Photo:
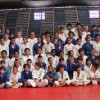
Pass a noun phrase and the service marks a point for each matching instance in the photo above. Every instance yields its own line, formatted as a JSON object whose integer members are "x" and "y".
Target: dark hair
{"x": 80, "y": 50}
{"x": 15, "y": 67}
{"x": 61, "y": 59}
{"x": 39, "y": 48}
{"x": 78, "y": 66}
{"x": 4, "y": 51}
{"x": 2, "y": 68}
{"x": 39, "y": 56}
{"x": 29, "y": 60}
{"x": 95, "y": 66}
{"x": 80, "y": 58}
{"x": 94, "y": 26}
{"x": 49, "y": 58}
{"x": 78, "y": 39}
{"x": 70, "y": 52}
{"x": 88, "y": 59}
{"x": 2, "y": 61}
{"x": 70, "y": 33}
{"x": 38, "y": 64}
{"x": 26, "y": 49}
{"x": 47, "y": 32}
{"x": 77, "y": 24}
{"x": 61, "y": 66}
{"x": 16, "y": 51}
{"x": 69, "y": 24}
{"x": 25, "y": 65}
{"x": 61, "y": 28}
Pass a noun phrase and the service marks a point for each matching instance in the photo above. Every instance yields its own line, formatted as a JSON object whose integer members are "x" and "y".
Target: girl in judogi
{"x": 3, "y": 78}
{"x": 88, "y": 67}
{"x": 26, "y": 75}
{"x": 38, "y": 74}
{"x": 52, "y": 77}
{"x": 94, "y": 75}
{"x": 79, "y": 77}
{"x": 63, "y": 78}
{"x": 15, "y": 79}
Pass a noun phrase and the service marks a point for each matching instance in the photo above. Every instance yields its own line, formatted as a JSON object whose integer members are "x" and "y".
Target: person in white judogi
{"x": 6, "y": 37}
{"x": 48, "y": 47}
{"x": 96, "y": 44}
{"x": 79, "y": 77}
{"x": 32, "y": 40}
{"x": 69, "y": 46}
{"x": 38, "y": 75}
{"x": 19, "y": 39}
{"x": 94, "y": 75}
{"x": 15, "y": 79}
{"x": 39, "y": 51}
{"x": 24, "y": 45}
{"x": 27, "y": 56}
{"x": 4, "y": 46}
{"x": 61, "y": 34}
{"x": 63, "y": 78}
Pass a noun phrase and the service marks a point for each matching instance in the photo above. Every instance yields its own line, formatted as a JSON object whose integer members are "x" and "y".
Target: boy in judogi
{"x": 38, "y": 74}
{"x": 94, "y": 75}
{"x": 3, "y": 78}
{"x": 63, "y": 78}
{"x": 26, "y": 75}
{"x": 15, "y": 79}
{"x": 51, "y": 76}
{"x": 79, "y": 77}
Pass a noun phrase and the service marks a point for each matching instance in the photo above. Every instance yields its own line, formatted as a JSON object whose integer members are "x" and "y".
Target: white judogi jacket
{"x": 87, "y": 70}
{"x": 15, "y": 77}
{"x": 32, "y": 41}
{"x": 19, "y": 41}
{"x": 96, "y": 46}
{"x": 24, "y": 59}
{"x": 43, "y": 56}
{"x": 23, "y": 47}
{"x": 4, "y": 47}
{"x": 64, "y": 78}
{"x": 68, "y": 47}
{"x": 39, "y": 74}
{"x": 7, "y": 42}
{"x": 62, "y": 37}
{"x": 80, "y": 78}
{"x": 48, "y": 47}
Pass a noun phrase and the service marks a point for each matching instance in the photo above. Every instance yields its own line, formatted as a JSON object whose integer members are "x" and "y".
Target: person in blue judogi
{"x": 87, "y": 46}
{"x": 40, "y": 60}
{"x": 37, "y": 45}
{"x": 3, "y": 78}
{"x": 26, "y": 75}
{"x": 59, "y": 47}
{"x": 51, "y": 76}
{"x": 70, "y": 67}
{"x": 13, "y": 47}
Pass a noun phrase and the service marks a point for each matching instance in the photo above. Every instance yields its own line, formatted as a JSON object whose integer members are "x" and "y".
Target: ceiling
{"x": 38, "y": 3}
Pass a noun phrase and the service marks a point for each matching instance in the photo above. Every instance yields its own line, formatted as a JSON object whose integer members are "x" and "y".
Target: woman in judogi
{"x": 63, "y": 78}
{"x": 38, "y": 74}
{"x": 94, "y": 75}
{"x": 15, "y": 79}
{"x": 79, "y": 77}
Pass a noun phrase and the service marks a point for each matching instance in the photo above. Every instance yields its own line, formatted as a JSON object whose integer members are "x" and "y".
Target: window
{"x": 39, "y": 15}
{"x": 94, "y": 14}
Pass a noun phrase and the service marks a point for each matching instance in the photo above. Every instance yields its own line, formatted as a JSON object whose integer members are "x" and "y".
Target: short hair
{"x": 61, "y": 28}
{"x": 70, "y": 52}
{"x": 70, "y": 33}
{"x": 25, "y": 65}
{"x": 49, "y": 58}
{"x": 26, "y": 49}
{"x": 80, "y": 58}
{"x": 94, "y": 26}
{"x": 61, "y": 59}
{"x": 61, "y": 66}
{"x": 78, "y": 39}
{"x": 16, "y": 51}
{"x": 38, "y": 64}
{"x": 47, "y": 32}
{"x": 15, "y": 67}
{"x": 95, "y": 66}
{"x": 69, "y": 24}
{"x": 78, "y": 66}
{"x": 69, "y": 59}
{"x": 39, "y": 48}
{"x": 77, "y": 24}
{"x": 81, "y": 50}
{"x": 4, "y": 51}
{"x": 29, "y": 60}
{"x": 56, "y": 32}
{"x": 98, "y": 26}
{"x": 12, "y": 38}
{"x": 40, "y": 57}
{"x": 2, "y": 61}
